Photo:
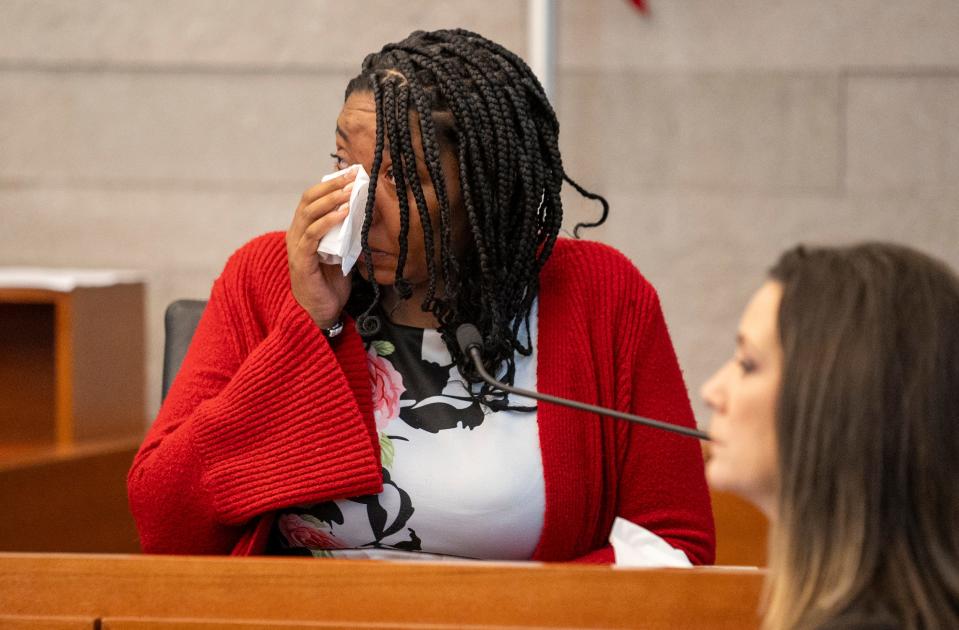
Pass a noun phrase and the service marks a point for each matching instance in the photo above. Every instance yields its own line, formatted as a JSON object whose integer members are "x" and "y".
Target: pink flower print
{"x": 306, "y": 531}
{"x": 387, "y": 389}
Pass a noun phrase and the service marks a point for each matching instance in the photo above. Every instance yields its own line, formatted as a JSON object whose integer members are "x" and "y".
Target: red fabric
{"x": 266, "y": 413}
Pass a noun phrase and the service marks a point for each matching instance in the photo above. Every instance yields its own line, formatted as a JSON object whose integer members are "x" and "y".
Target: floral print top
{"x": 460, "y": 480}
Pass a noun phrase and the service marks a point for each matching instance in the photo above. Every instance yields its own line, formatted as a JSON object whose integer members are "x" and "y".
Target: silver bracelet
{"x": 333, "y": 330}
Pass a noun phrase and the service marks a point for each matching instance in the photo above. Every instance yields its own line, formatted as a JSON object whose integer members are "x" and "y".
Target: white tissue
{"x": 341, "y": 245}
{"x": 636, "y": 546}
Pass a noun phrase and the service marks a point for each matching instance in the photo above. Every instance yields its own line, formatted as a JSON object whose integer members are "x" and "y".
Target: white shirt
{"x": 460, "y": 479}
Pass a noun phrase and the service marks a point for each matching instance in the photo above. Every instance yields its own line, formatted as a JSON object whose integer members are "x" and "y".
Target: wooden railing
{"x": 123, "y": 592}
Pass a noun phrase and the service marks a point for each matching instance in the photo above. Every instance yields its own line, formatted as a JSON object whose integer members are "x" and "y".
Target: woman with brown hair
{"x": 839, "y": 417}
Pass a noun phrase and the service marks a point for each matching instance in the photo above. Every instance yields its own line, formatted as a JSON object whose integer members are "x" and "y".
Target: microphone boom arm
{"x": 474, "y": 353}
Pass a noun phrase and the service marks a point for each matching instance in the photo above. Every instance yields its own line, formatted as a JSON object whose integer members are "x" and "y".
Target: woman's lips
{"x": 378, "y": 254}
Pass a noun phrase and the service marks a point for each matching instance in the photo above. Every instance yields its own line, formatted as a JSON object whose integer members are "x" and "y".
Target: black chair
{"x": 179, "y": 323}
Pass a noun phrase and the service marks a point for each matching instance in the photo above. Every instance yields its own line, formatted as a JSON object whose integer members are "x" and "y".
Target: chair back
{"x": 179, "y": 323}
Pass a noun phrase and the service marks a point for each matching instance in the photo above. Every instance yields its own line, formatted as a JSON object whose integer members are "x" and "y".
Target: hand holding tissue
{"x": 341, "y": 245}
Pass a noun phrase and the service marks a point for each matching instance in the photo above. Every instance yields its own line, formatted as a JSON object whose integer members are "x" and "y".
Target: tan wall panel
{"x": 163, "y": 137}
{"x": 236, "y": 33}
{"x": 736, "y": 131}
{"x": 594, "y": 33}
{"x": 903, "y": 132}
{"x": 772, "y": 34}
{"x": 707, "y": 253}
{"x": 144, "y": 129}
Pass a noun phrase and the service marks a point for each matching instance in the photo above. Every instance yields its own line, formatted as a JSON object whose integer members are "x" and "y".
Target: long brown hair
{"x": 868, "y": 439}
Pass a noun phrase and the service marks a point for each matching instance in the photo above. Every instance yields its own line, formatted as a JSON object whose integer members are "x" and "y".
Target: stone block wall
{"x": 162, "y": 136}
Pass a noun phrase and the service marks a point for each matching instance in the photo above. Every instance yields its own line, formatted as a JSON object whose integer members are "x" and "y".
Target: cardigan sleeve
{"x": 265, "y": 413}
{"x": 663, "y": 483}
{"x": 603, "y": 339}
{"x": 661, "y": 478}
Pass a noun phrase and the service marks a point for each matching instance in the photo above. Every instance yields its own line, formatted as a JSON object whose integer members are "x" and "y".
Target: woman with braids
{"x": 317, "y": 414}
{"x": 838, "y": 415}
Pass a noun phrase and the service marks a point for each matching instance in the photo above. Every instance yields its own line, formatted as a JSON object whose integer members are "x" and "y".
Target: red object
{"x": 641, "y": 5}
{"x": 266, "y": 413}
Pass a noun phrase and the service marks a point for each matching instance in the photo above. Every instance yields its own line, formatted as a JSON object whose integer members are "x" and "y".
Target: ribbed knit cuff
{"x": 287, "y": 429}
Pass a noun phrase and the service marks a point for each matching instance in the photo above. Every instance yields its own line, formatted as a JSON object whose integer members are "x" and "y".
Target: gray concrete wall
{"x": 161, "y": 136}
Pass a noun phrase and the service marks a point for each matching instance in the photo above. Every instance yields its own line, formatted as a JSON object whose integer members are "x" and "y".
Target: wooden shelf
{"x": 71, "y": 365}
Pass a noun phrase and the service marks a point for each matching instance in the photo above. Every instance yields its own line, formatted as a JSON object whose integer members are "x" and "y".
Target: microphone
{"x": 471, "y": 343}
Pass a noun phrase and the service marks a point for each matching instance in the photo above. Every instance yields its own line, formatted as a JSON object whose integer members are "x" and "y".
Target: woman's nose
{"x": 711, "y": 391}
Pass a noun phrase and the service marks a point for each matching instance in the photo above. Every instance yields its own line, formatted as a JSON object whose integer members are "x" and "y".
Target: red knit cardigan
{"x": 266, "y": 413}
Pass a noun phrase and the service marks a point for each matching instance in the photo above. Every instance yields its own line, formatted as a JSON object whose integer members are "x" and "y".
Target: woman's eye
{"x": 338, "y": 163}
{"x": 746, "y": 365}
{"x": 389, "y": 175}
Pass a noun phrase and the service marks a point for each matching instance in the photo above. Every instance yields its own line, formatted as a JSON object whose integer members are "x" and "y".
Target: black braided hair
{"x": 481, "y": 101}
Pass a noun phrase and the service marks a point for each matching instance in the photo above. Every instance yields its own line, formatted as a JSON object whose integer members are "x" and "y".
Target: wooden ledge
{"x": 370, "y": 592}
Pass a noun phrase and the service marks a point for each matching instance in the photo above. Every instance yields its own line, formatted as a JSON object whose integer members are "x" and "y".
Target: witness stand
{"x": 139, "y": 592}
{"x": 71, "y": 391}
